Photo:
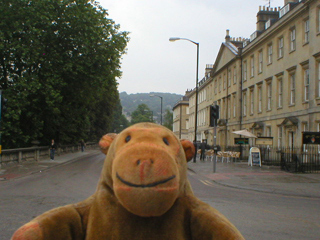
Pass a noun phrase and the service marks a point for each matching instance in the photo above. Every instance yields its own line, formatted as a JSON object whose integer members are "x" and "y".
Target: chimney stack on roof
{"x": 227, "y": 36}
{"x": 290, "y": 1}
{"x": 265, "y": 14}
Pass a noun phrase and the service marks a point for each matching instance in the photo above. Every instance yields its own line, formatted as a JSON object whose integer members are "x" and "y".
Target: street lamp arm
{"x": 177, "y": 38}
{"x": 153, "y": 95}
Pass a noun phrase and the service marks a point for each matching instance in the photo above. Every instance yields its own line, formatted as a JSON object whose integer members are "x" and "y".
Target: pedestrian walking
{"x": 83, "y": 145}
{"x": 203, "y": 150}
{"x": 52, "y": 149}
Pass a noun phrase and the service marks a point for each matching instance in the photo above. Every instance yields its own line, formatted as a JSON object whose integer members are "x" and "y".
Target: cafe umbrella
{"x": 245, "y": 133}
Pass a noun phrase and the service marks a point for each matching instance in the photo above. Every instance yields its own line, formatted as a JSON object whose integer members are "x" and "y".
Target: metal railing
{"x": 21, "y": 155}
{"x": 305, "y": 159}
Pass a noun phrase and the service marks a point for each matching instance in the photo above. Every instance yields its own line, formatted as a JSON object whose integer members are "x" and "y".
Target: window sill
{"x": 292, "y": 105}
{"x": 318, "y": 100}
{"x": 269, "y": 64}
{"x": 260, "y": 112}
{"x": 269, "y": 110}
{"x": 306, "y": 43}
{"x": 291, "y": 51}
{"x": 279, "y": 108}
{"x": 279, "y": 58}
{"x": 305, "y": 102}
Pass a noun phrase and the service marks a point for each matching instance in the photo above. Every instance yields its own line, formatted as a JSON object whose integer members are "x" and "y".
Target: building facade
{"x": 269, "y": 83}
{"x": 181, "y": 118}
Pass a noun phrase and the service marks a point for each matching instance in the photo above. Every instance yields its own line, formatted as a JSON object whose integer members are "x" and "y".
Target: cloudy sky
{"x": 152, "y": 63}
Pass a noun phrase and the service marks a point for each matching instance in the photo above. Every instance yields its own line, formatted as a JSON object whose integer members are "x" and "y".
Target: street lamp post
{"x": 197, "y": 73}
{"x": 153, "y": 95}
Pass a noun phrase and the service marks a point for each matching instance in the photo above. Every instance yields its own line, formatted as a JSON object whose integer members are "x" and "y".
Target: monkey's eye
{"x": 128, "y": 138}
{"x": 165, "y": 140}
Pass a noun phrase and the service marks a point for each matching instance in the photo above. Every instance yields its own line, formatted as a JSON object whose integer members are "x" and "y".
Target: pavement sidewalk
{"x": 12, "y": 171}
{"x": 268, "y": 179}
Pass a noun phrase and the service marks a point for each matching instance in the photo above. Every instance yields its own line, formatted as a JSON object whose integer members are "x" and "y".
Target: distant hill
{"x": 130, "y": 102}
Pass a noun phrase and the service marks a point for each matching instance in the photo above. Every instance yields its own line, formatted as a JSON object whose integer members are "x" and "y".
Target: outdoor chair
{"x": 219, "y": 155}
{"x": 235, "y": 155}
{"x": 198, "y": 154}
{"x": 226, "y": 155}
{"x": 209, "y": 155}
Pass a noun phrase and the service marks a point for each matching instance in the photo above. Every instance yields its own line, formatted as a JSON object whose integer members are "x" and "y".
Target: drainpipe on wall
{"x": 241, "y": 82}
{"x": 241, "y": 86}
{"x": 227, "y": 108}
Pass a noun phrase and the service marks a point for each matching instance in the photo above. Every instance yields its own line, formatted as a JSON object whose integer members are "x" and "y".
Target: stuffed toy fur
{"x": 143, "y": 193}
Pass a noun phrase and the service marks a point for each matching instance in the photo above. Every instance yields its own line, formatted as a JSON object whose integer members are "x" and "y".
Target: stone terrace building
{"x": 268, "y": 84}
{"x": 181, "y": 118}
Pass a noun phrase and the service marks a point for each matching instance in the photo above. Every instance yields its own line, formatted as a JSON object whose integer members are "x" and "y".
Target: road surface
{"x": 257, "y": 215}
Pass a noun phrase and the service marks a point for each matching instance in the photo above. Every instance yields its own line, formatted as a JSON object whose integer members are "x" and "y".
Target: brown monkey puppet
{"x": 143, "y": 193}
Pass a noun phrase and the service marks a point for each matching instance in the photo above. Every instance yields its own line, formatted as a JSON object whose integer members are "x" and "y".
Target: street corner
{"x": 218, "y": 176}
{"x": 5, "y": 177}
{"x": 20, "y": 170}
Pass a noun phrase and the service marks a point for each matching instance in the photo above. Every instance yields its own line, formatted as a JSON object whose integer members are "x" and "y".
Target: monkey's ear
{"x": 189, "y": 148}
{"x": 106, "y": 141}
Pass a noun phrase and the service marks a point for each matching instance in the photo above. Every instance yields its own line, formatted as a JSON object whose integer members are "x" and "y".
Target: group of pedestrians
{"x": 203, "y": 146}
{"x": 53, "y": 148}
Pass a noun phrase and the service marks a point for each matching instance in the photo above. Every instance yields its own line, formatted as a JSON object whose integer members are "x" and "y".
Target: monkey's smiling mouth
{"x": 145, "y": 185}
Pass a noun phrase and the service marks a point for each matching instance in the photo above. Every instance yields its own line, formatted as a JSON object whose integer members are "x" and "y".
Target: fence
{"x": 21, "y": 155}
{"x": 305, "y": 159}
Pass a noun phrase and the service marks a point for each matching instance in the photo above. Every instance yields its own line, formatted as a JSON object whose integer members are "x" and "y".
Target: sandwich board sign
{"x": 254, "y": 157}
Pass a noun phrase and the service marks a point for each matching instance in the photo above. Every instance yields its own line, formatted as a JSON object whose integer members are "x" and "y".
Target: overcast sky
{"x": 152, "y": 63}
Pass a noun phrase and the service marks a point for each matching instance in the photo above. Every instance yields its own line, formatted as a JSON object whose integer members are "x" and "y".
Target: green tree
{"x": 142, "y": 114}
{"x": 168, "y": 119}
{"x": 119, "y": 120}
{"x": 59, "y": 61}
